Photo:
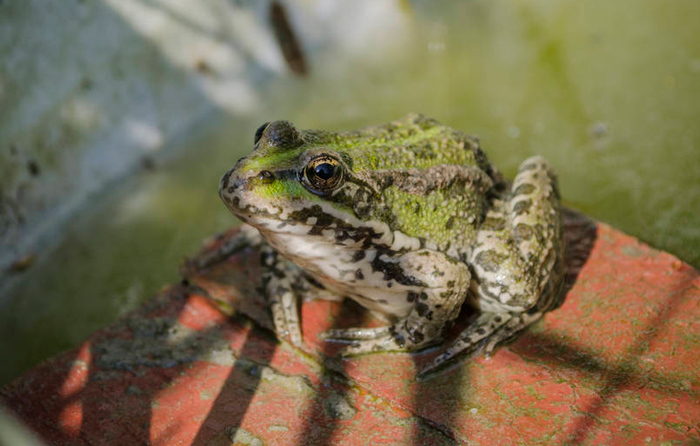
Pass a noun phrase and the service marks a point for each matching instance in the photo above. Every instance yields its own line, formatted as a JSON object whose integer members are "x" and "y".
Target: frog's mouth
{"x": 284, "y": 214}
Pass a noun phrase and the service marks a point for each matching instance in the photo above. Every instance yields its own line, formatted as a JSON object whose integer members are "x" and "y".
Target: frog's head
{"x": 298, "y": 182}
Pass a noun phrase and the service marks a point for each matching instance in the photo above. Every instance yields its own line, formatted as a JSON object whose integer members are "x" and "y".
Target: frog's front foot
{"x": 379, "y": 339}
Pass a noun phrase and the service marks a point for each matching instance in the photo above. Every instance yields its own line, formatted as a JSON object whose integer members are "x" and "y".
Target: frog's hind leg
{"x": 517, "y": 263}
{"x": 247, "y": 237}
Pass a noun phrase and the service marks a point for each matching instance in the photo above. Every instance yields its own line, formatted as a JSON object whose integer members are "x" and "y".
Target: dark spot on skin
{"x": 480, "y": 331}
{"x": 393, "y": 271}
{"x": 497, "y": 319}
{"x": 400, "y": 341}
{"x": 359, "y": 255}
{"x": 315, "y": 230}
{"x": 450, "y": 283}
{"x": 411, "y": 296}
{"x": 324, "y": 220}
{"x": 522, "y": 206}
{"x": 422, "y": 308}
{"x": 528, "y": 166}
{"x": 493, "y": 224}
{"x": 383, "y": 301}
{"x": 313, "y": 282}
{"x": 281, "y": 225}
{"x": 224, "y": 180}
{"x": 438, "y": 306}
{"x": 390, "y": 284}
{"x": 359, "y": 275}
{"x": 523, "y": 232}
{"x": 416, "y": 336}
{"x": 450, "y": 223}
{"x": 423, "y": 296}
{"x": 524, "y": 189}
{"x": 341, "y": 235}
{"x": 490, "y": 260}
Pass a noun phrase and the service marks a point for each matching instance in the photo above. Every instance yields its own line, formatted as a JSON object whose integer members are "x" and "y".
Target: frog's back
{"x": 435, "y": 181}
{"x": 412, "y": 142}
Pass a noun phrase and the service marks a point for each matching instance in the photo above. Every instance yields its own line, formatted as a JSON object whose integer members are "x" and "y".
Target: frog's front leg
{"x": 435, "y": 285}
{"x": 280, "y": 284}
{"x": 517, "y": 262}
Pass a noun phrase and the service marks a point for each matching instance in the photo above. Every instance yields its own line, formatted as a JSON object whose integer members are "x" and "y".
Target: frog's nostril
{"x": 266, "y": 177}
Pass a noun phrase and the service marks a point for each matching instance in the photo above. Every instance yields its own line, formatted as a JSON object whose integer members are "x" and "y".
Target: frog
{"x": 410, "y": 220}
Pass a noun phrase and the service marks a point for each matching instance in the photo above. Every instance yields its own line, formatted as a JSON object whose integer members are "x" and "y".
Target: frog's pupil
{"x": 324, "y": 171}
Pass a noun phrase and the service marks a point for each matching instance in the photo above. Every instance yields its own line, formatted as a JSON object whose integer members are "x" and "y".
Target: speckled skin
{"x": 409, "y": 219}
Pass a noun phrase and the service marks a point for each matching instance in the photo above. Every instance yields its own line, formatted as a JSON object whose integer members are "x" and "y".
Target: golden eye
{"x": 323, "y": 173}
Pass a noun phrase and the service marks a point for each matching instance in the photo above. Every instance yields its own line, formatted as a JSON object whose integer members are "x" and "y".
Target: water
{"x": 609, "y": 92}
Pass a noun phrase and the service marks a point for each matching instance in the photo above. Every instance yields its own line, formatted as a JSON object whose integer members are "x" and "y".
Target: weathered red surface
{"x": 617, "y": 363}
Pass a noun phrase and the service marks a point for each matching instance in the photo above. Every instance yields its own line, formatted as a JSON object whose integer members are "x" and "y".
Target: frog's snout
{"x": 230, "y": 185}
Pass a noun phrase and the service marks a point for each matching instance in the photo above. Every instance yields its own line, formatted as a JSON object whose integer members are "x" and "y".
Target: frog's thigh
{"x": 517, "y": 251}
{"x": 535, "y": 219}
{"x": 279, "y": 276}
{"x": 436, "y": 301}
{"x": 247, "y": 237}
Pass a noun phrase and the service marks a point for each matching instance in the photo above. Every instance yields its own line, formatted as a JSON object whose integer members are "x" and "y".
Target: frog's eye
{"x": 259, "y": 132}
{"x": 323, "y": 173}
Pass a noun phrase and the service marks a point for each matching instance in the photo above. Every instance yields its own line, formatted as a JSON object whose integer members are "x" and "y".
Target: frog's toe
{"x": 354, "y": 334}
{"x": 444, "y": 360}
{"x": 361, "y": 347}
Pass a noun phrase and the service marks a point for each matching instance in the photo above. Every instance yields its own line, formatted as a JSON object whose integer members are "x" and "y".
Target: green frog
{"x": 410, "y": 220}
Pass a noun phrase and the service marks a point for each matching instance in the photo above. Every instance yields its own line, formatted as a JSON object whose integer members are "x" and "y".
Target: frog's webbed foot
{"x": 487, "y": 332}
